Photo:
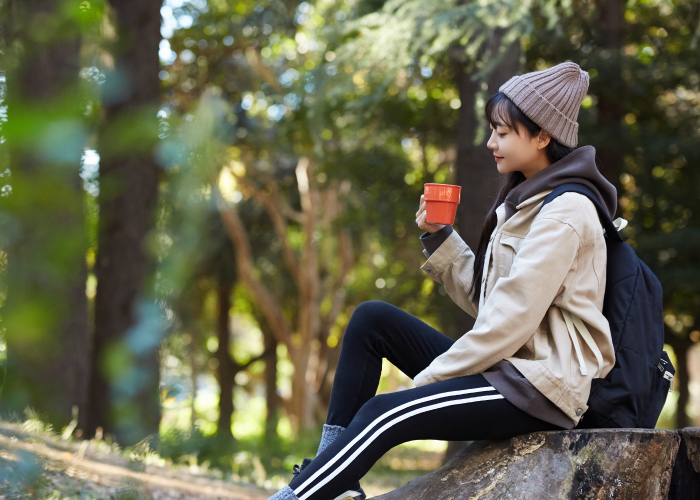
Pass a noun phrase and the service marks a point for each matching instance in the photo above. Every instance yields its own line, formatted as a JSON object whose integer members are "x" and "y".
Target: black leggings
{"x": 459, "y": 409}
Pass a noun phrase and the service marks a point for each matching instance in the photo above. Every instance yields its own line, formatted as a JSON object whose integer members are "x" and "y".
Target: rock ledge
{"x": 637, "y": 464}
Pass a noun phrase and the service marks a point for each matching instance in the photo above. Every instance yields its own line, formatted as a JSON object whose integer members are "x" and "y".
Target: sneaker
{"x": 354, "y": 493}
{"x": 297, "y": 470}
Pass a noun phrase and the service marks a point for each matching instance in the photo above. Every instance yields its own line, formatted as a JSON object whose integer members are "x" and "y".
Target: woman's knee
{"x": 365, "y": 315}
{"x": 371, "y": 312}
{"x": 376, "y": 407}
{"x": 378, "y": 414}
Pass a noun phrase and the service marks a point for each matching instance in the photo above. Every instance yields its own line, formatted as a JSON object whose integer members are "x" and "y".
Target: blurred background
{"x": 195, "y": 195}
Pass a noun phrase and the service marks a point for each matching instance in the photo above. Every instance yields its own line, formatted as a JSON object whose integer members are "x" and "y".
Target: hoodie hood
{"x": 578, "y": 167}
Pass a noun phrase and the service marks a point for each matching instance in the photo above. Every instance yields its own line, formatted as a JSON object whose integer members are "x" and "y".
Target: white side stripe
{"x": 382, "y": 417}
{"x": 385, "y": 427}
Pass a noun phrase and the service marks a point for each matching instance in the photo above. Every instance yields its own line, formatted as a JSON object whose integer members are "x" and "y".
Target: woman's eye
{"x": 501, "y": 135}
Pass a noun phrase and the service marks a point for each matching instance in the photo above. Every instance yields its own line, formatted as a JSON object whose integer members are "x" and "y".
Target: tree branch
{"x": 271, "y": 204}
{"x": 240, "y": 367}
{"x": 309, "y": 284}
{"x": 244, "y": 264}
{"x": 257, "y": 65}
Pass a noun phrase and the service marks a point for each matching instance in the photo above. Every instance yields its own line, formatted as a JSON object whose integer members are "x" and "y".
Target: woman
{"x": 535, "y": 285}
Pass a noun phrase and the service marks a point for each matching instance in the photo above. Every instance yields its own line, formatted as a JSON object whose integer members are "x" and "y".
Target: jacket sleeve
{"x": 516, "y": 305}
{"x": 432, "y": 241}
{"x": 452, "y": 265}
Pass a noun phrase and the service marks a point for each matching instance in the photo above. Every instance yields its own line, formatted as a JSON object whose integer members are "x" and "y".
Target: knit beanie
{"x": 551, "y": 98}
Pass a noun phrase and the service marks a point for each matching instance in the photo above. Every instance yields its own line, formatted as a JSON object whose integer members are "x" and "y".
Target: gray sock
{"x": 285, "y": 493}
{"x": 330, "y": 434}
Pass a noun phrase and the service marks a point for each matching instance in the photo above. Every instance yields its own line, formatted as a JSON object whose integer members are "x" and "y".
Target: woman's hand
{"x": 420, "y": 219}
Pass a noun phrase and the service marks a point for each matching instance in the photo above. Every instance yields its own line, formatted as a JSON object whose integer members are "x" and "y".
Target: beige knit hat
{"x": 551, "y": 98}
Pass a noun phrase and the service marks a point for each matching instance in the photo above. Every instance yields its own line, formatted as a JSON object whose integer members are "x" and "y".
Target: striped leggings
{"x": 459, "y": 409}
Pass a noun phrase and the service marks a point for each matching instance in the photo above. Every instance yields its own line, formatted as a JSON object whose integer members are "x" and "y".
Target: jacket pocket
{"x": 508, "y": 249}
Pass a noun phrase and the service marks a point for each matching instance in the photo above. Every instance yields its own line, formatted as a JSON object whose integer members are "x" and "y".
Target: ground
{"x": 35, "y": 464}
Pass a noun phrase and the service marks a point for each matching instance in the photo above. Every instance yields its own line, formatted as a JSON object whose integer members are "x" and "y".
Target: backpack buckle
{"x": 620, "y": 223}
{"x": 660, "y": 367}
{"x": 669, "y": 376}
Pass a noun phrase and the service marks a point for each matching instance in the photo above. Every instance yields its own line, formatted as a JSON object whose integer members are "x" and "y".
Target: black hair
{"x": 500, "y": 110}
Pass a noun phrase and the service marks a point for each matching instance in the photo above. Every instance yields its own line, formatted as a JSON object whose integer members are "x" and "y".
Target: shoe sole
{"x": 354, "y": 495}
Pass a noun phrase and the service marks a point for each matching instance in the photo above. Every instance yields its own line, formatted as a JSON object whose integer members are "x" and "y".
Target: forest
{"x": 195, "y": 195}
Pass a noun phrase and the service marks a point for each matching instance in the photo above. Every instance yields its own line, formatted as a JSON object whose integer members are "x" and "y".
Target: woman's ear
{"x": 543, "y": 139}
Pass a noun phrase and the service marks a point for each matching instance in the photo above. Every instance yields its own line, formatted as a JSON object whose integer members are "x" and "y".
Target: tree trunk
{"x": 585, "y": 464}
{"x": 271, "y": 397}
{"x": 681, "y": 350}
{"x": 195, "y": 372}
{"x": 324, "y": 392}
{"x": 226, "y": 371}
{"x": 45, "y": 313}
{"x": 476, "y": 171}
{"x": 610, "y": 103}
{"x": 685, "y": 480}
{"x": 124, "y": 386}
{"x": 301, "y": 394}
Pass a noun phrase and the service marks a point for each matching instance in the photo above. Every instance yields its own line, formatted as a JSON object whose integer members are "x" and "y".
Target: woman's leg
{"x": 460, "y": 409}
{"x": 379, "y": 330}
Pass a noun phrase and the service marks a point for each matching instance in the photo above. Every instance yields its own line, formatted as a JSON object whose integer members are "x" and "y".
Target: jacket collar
{"x": 534, "y": 199}
{"x": 513, "y": 223}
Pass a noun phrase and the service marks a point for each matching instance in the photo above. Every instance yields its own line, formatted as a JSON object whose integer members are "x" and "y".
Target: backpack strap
{"x": 573, "y": 322}
{"x": 610, "y": 229}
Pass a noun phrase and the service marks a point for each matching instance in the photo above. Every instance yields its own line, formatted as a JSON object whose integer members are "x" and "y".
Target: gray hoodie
{"x": 577, "y": 167}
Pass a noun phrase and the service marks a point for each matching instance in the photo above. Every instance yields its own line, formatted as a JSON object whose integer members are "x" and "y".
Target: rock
{"x": 685, "y": 481}
{"x": 578, "y": 464}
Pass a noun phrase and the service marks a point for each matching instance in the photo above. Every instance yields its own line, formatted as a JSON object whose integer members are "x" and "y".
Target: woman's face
{"x": 518, "y": 152}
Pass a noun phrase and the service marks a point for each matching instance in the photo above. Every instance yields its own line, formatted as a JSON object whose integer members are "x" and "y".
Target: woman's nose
{"x": 491, "y": 144}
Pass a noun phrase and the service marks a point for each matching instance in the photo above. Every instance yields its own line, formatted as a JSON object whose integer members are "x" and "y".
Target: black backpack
{"x": 635, "y": 390}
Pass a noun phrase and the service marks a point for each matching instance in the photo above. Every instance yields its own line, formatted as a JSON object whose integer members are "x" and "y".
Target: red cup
{"x": 441, "y": 202}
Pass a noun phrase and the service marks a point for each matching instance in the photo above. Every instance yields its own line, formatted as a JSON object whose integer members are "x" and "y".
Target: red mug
{"x": 441, "y": 202}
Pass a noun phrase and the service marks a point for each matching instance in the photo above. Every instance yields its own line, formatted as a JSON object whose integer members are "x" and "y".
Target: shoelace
{"x": 298, "y": 468}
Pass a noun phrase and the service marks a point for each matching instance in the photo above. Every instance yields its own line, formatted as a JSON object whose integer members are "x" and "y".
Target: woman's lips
{"x": 498, "y": 158}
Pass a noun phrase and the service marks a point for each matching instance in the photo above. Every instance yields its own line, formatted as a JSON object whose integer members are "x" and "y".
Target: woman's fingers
{"x": 421, "y": 207}
{"x": 422, "y": 224}
{"x": 421, "y": 216}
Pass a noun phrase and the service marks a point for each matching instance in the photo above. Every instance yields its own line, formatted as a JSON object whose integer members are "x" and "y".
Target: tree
{"x": 45, "y": 314}
{"x": 125, "y": 365}
{"x": 305, "y": 272}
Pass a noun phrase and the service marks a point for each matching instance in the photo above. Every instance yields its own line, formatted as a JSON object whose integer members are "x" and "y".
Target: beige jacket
{"x": 542, "y": 300}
